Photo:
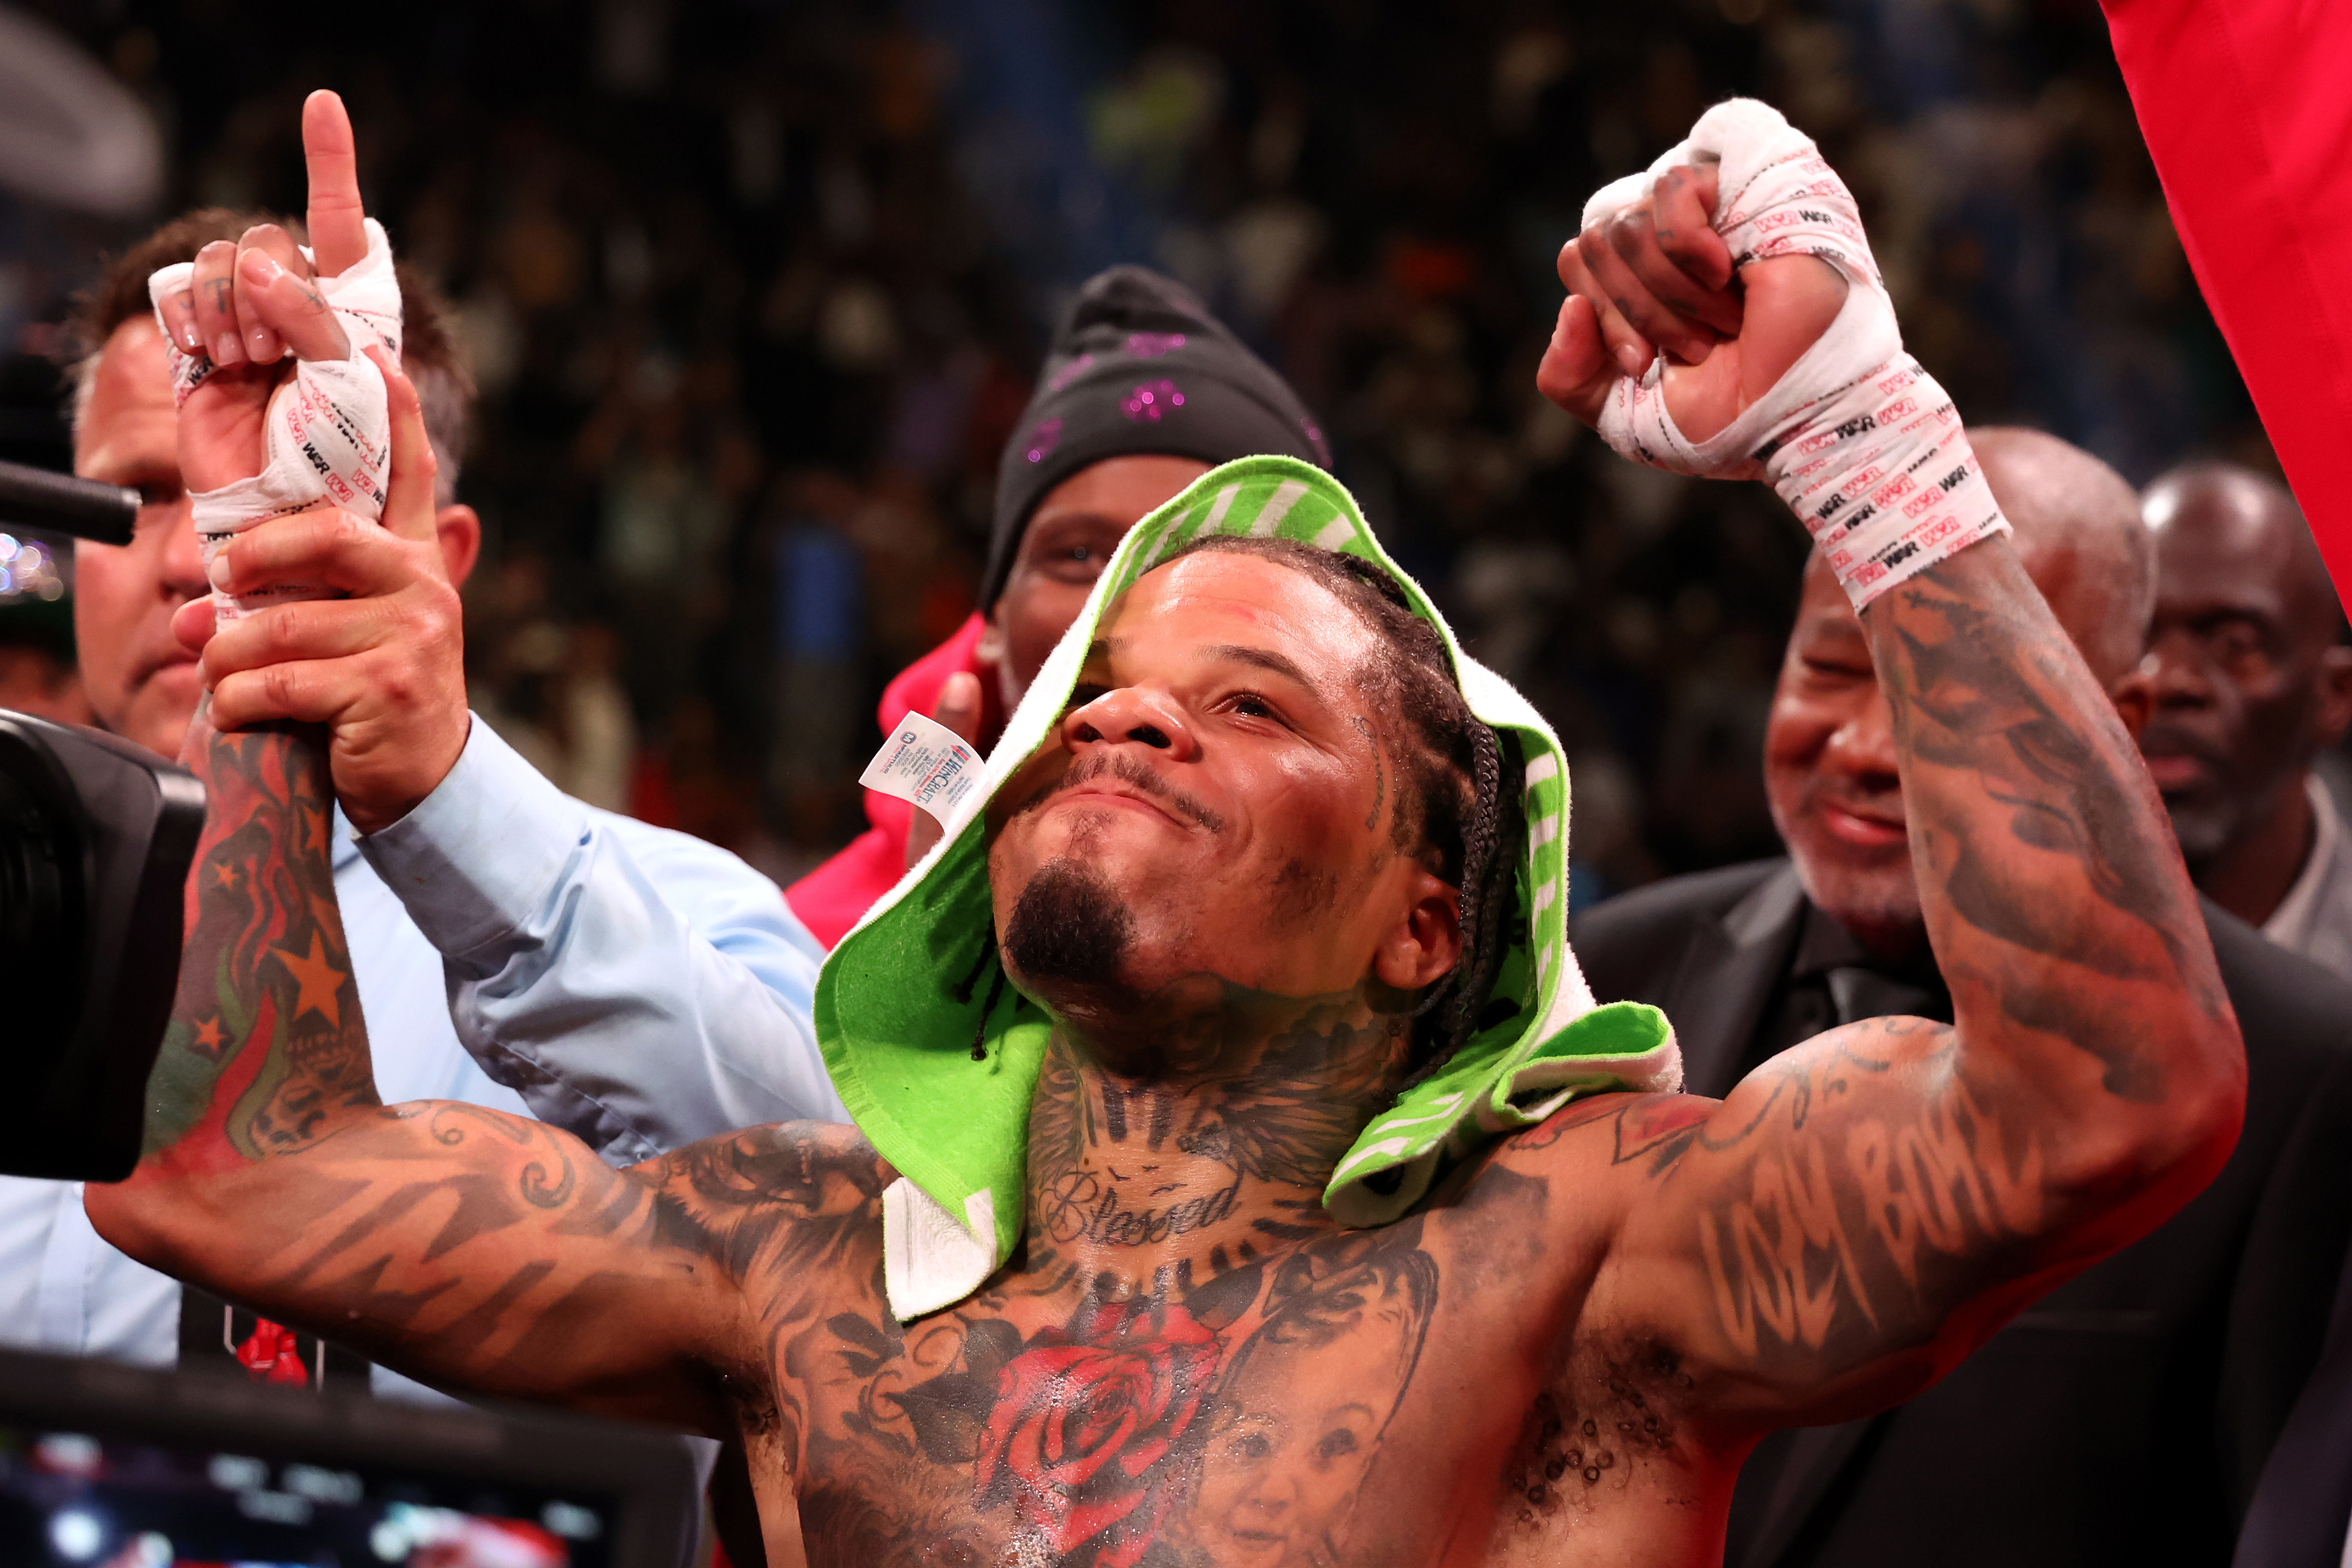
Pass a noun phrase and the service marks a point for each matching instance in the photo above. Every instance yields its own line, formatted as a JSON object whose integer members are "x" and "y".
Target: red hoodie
{"x": 837, "y": 895}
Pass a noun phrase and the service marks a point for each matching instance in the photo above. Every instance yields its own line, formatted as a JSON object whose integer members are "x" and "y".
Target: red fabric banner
{"x": 2247, "y": 108}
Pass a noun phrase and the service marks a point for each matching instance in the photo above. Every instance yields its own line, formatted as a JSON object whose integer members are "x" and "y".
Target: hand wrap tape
{"x": 330, "y": 428}
{"x": 1862, "y": 445}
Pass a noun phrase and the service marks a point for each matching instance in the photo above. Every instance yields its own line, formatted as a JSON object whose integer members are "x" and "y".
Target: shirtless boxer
{"x": 1228, "y": 877}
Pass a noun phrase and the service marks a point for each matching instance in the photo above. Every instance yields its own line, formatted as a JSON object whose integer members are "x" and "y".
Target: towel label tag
{"x": 924, "y": 763}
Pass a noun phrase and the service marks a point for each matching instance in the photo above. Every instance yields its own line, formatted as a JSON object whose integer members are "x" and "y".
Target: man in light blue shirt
{"x": 513, "y": 947}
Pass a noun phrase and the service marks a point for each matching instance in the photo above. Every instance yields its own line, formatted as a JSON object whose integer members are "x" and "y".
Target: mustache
{"x": 2168, "y": 739}
{"x": 1120, "y": 765}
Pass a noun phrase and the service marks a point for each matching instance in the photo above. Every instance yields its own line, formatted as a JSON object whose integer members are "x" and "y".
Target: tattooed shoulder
{"x": 1621, "y": 1129}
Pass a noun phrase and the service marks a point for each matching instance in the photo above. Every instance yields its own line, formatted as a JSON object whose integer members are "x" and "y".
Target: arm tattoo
{"x": 461, "y": 1243}
{"x": 267, "y": 1025}
{"x": 1977, "y": 699}
{"x": 1858, "y": 1218}
{"x": 1866, "y": 1205}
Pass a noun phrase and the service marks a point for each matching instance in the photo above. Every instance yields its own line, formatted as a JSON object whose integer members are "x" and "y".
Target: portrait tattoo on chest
{"x": 1227, "y": 1420}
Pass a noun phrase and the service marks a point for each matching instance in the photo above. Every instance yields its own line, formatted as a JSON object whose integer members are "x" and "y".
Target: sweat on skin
{"x": 1566, "y": 1351}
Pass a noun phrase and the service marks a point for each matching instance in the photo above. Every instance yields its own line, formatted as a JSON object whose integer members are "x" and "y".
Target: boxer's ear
{"x": 1424, "y": 944}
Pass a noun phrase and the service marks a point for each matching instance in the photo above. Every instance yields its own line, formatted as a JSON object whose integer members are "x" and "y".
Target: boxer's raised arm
{"x": 1867, "y": 1207}
{"x": 469, "y": 1247}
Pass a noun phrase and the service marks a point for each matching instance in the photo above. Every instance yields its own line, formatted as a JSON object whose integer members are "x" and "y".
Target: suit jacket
{"x": 2302, "y": 1512}
{"x": 2124, "y": 1419}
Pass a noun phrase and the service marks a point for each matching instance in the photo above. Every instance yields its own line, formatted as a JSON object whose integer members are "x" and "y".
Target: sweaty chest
{"x": 1328, "y": 1404}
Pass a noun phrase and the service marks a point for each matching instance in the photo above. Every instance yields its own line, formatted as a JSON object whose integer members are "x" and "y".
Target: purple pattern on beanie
{"x": 1149, "y": 401}
{"x": 1043, "y": 439}
{"x": 1069, "y": 372}
{"x": 1151, "y": 345}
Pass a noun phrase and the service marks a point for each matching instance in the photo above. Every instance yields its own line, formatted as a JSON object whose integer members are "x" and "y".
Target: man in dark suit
{"x": 2124, "y": 1417}
{"x": 2302, "y": 1513}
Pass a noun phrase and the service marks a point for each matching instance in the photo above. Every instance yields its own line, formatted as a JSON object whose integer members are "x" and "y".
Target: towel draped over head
{"x": 904, "y": 996}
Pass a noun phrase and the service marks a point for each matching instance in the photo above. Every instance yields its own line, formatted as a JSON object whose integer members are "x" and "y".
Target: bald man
{"x": 2124, "y": 1419}
{"x": 2251, "y": 679}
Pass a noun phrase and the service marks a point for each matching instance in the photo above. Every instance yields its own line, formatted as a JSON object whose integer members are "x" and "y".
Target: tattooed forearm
{"x": 457, "y": 1243}
{"x": 2049, "y": 877}
{"x": 267, "y": 1027}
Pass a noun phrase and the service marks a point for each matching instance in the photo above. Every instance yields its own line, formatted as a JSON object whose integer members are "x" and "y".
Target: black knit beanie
{"x": 1138, "y": 366}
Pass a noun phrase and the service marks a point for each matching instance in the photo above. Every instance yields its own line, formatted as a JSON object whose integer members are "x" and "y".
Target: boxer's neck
{"x": 1209, "y": 1159}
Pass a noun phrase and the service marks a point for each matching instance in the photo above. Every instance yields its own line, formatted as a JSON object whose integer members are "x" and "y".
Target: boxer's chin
{"x": 1069, "y": 936}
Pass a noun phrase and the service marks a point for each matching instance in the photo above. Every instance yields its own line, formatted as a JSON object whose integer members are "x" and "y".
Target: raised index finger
{"x": 338, "y": 238}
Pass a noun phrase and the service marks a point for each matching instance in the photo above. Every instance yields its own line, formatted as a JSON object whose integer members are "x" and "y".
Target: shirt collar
{"x": 342, "y": 841}
{"x": 1823, "y": 946}
{"x": 2290, "y": 924}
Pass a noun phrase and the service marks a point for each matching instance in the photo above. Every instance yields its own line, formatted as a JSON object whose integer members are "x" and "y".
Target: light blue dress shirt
{"x": 517, "y": 948}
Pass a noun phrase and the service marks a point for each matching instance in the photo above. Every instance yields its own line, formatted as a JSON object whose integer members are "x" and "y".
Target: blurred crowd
{"x": 754, "y": 294}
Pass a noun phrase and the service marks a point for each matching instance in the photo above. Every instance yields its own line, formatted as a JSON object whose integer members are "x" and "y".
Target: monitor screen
{"x": 75, "y": 1501}
{"x": 113, "y": 1467}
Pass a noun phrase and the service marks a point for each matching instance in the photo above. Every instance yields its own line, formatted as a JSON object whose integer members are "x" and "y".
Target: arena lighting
{"x": 76, "y": 1534}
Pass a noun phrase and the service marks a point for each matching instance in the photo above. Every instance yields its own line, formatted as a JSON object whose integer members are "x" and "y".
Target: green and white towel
{"x": 899, "y": 1002}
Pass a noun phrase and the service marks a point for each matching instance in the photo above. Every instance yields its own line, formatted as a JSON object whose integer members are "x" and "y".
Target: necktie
{"x": 1861, "y": 992}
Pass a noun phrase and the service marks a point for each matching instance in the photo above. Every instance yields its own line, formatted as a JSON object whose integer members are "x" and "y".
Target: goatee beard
{"x": 1068, "y": 928}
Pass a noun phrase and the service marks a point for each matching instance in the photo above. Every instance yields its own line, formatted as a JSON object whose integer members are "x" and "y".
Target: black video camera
{"x": 96, "y": 838}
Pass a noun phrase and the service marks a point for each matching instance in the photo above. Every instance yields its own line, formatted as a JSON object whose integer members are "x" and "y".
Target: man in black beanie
{"x": 1142, "y": 392}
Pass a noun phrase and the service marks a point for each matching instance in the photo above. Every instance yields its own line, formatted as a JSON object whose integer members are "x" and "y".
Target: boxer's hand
{"x": 958, "y": 709}
{"x": 385, "y": 668}
{"x": 250, "y": 304}
{"x": 1657, "y": 275}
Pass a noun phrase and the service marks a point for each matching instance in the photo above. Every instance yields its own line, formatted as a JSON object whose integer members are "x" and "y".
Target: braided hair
{"x": 1460, "y": 782}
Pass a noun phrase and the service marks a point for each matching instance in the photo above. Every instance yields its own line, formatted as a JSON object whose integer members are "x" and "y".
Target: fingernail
{"x": 219, "y": 571}
{"x": 226, "y": 350}
{"x": 261, "y": 344}
{"x": 190, "y": 343}
{"x": 1630, "y": 361}
{"x": 264, "y": 268}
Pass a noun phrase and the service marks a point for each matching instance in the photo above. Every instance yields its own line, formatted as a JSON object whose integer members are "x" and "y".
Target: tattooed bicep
{"x": 1831, "y": 1213}
{"x": 795, "y": 1194}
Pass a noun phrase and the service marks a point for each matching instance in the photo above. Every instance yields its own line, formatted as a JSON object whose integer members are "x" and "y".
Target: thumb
{"x": 959, "y": 706}
{"x": 1576, "y": 371}
{"x": 192, "y": 622}
{"x": 408, "y": 509}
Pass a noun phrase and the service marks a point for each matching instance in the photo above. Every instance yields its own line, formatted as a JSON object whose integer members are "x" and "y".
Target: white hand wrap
{"x": 330, "y": 428}
{"x": 1862, "y": 445}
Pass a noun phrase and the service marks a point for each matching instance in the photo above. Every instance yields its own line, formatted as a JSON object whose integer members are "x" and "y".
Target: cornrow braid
{"x": 1462, "y": 777}
{"x": 1490, "y": 857}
